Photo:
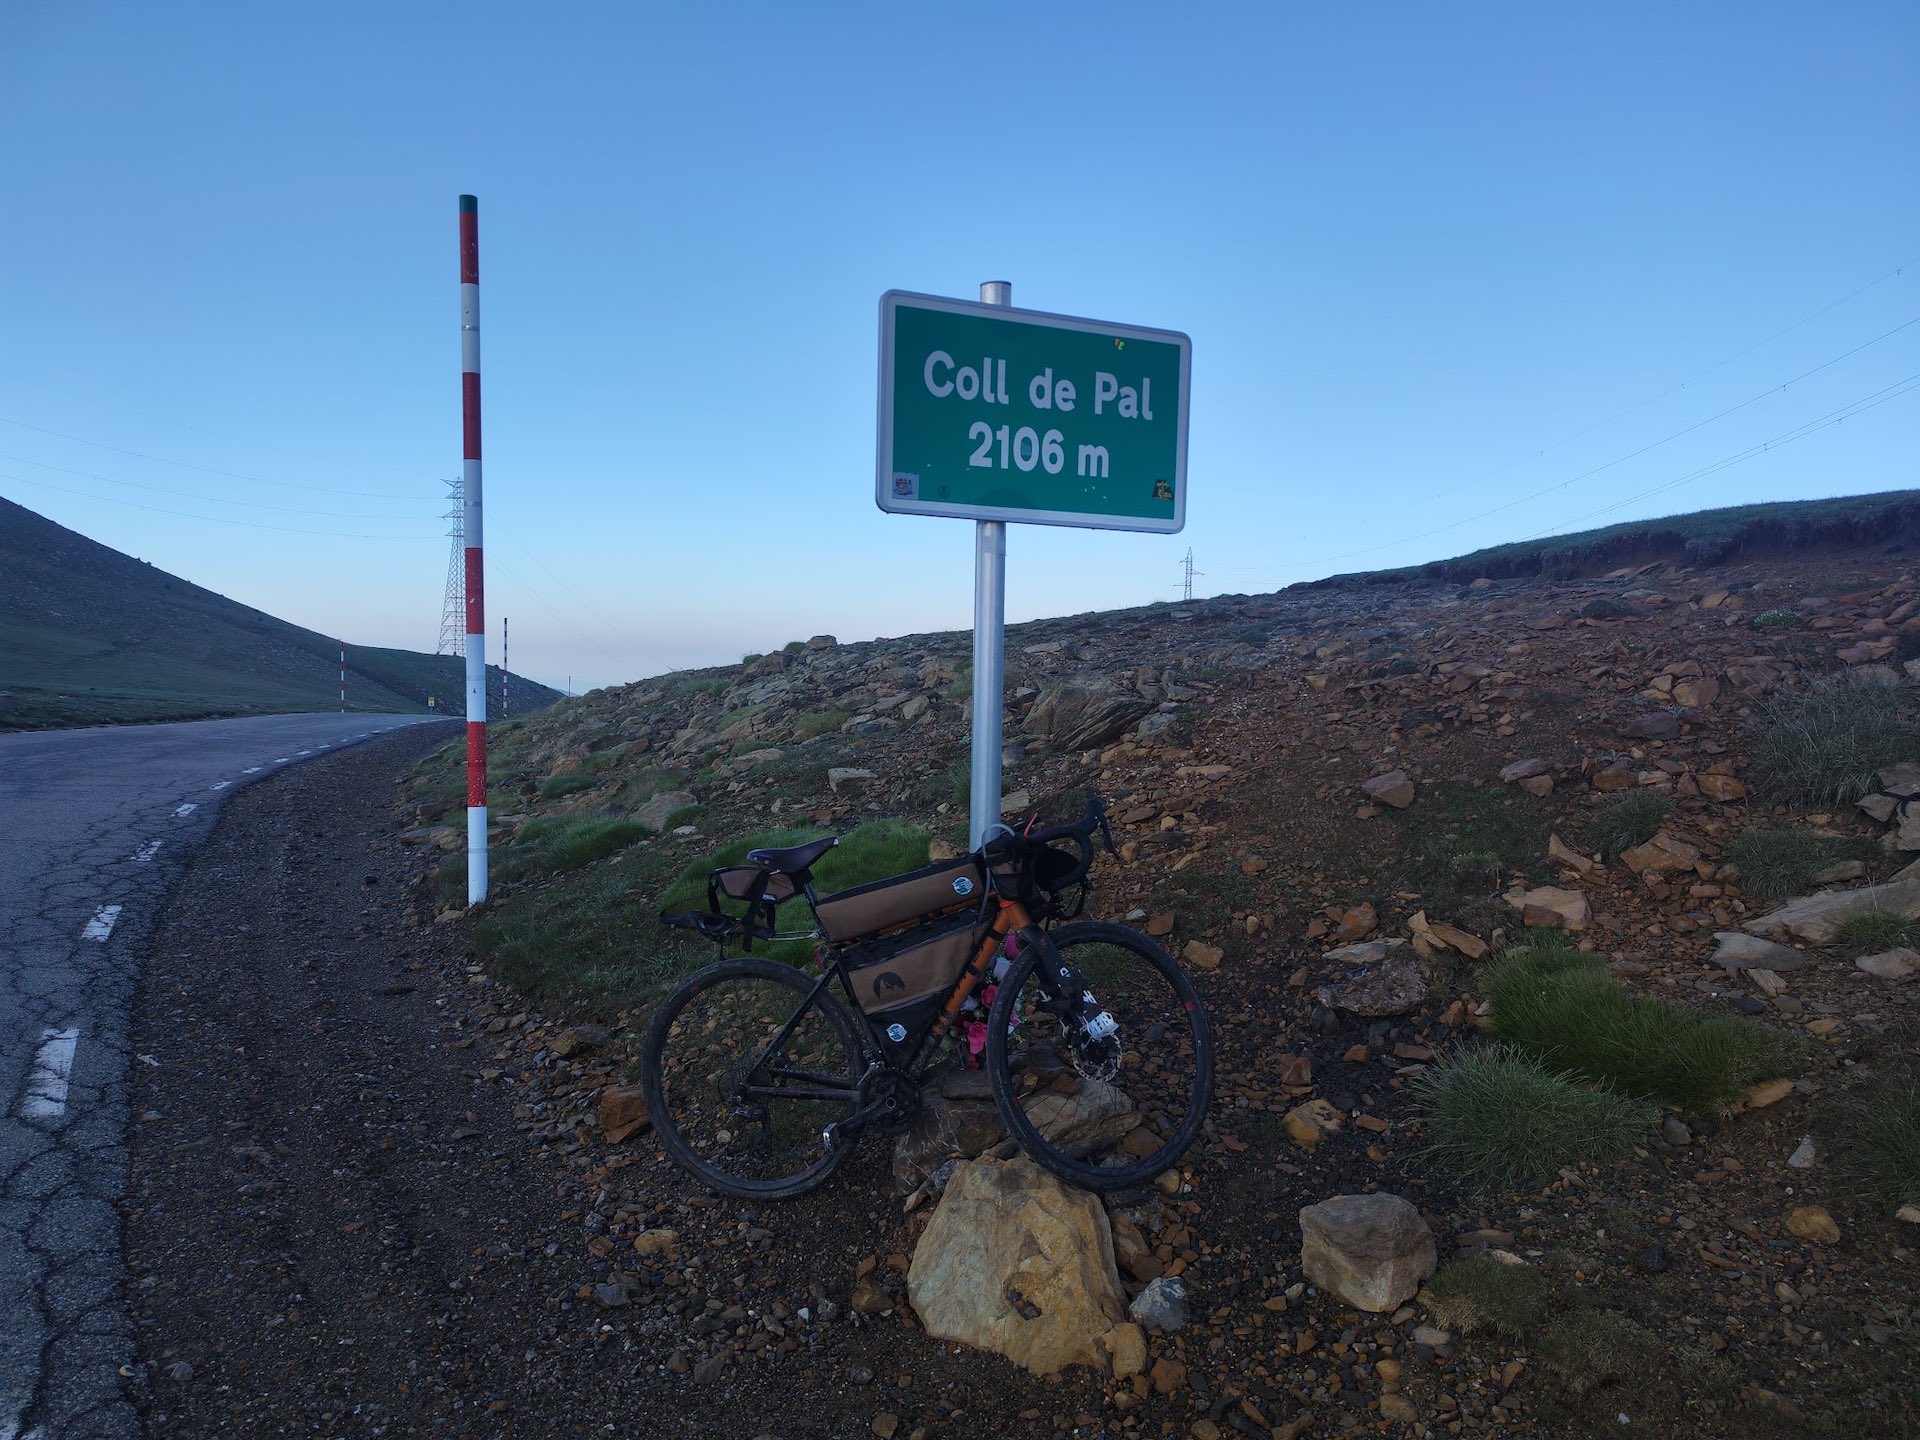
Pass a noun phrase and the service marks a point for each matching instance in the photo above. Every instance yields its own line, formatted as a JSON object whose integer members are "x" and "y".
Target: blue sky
{"x": 1435, "y": 260}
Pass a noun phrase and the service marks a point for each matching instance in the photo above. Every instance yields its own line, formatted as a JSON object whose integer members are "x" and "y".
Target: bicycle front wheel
{"x": 1108, "y": 1112}
{"x": 743, "y": 1073}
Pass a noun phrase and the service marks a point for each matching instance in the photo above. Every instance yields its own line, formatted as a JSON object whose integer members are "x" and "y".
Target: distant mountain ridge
{"x": 91, "y": 636}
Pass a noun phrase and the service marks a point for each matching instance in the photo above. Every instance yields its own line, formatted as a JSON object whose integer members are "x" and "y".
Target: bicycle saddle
{"x": 795, "y": 858}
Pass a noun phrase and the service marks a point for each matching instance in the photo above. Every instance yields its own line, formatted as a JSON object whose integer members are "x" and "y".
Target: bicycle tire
{"x": 1164, "y": 1064}
{"x": 707, "y": 1039}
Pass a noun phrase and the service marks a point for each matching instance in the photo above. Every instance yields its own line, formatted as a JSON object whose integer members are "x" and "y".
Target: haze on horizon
{"x": 1454, "y": 276}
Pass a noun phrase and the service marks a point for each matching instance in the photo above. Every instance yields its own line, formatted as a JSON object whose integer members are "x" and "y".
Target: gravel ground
{"x": 332, "y": 1228}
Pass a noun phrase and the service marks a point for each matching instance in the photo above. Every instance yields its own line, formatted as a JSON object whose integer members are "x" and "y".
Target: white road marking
{"x": 303, "y": 752}
{"x": 281, "y": 759}
{"x": 251, "y": 770}
{"x": 186, "y": 809}
{"x": 147, "y": 851}
{"x": 221, "y": 784}
{"x": 46, "y": 1097}
{"x": 101, "y": 926}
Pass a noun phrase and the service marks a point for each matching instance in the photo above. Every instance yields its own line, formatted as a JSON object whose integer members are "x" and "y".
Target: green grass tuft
{"x": 1625, "y": 821}
{"x": 1778, "y": 619}
{"x": 1591, "y": 1348}
{"x": 1562, "y": 1008}
{"x": 1502, "y": 1121}
{"x": 1824, "y": 746}
{"x": 567, "y": 782}
{"x": 1775, "y": 864}
{"x": 1874, "y": 1127}
{"x": 1458, "y": 841}
{"x": 557, "y": 843}
{"x": 1482, "y": 1293}
{"x": 1873, "y": 931}
{"x": 823, "y": 722}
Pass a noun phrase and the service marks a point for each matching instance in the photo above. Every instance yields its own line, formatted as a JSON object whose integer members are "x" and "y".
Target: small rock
{"x": 1739, "y": 951}
{"x": 612, "y": 1296}
{"x": 655, "y": 1242}
{"x": 1127, "y": 1345}
{"x": 1813, "y": 1223}
{"x": 1890, "y": 964}
{"x": 885, "y": 1424}
{"x": 1908, "y": 1214}
{"x": 1310, "y": 1123}
{"x": 1674, "y": 1131}
{"x": 1723, "y": 788}
{"x": 1654, "y": 725}
{"x": 1162, "y": 1306}
{"x": 621, "y": 1112}
{"x": 840, "y": 775}
{"x": 1544, "y": 905}
{"x": 1521, "y": 769}
{"x": 1169, "y": 1376}
{"x": 1768, "y": 1092}
{"x": 1393, "y": 788}
{"x": 180, "y": 1372}
{"x": 1395, "y": 1406}
{"x": 1803, "y": 1155}
{"x": 1431, "y": 1337}
{"x": 1373, "y": 1251}
{"x": 1356, "y": 923}
{"x": 1202, "y": 956}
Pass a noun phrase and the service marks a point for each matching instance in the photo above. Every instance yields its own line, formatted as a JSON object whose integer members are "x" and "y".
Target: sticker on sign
{"x": 992, "y": 413}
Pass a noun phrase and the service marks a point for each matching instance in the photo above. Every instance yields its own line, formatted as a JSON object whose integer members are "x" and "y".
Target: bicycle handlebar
{"x": 1081, "y": 831}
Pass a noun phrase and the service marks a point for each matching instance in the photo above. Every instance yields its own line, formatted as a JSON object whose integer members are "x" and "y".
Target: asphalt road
{"x": 94, "y": 827}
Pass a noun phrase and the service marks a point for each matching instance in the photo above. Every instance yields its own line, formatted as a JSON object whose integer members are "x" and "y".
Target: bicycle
{"x": 760, "y": 1082}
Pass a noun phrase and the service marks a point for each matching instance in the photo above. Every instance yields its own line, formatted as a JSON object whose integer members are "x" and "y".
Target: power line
{"x": 210, "y": 519}
{"x": 1682, "y": 384}
{"x": 210, "y": 499}
{"x": 188, "y": 465}
{"x": 598, "y": 612}
{"x": 1618, "y": 460}
{"x": 1786, "y": 437}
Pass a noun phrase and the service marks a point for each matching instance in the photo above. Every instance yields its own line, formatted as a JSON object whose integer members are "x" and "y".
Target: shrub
{"x": 1875, "y": 1131}
{"x": 1872, "y": 931}
{"x": 1625, "y": 821}
{"x": 1824, "y": 746}
{"x": 1777, "y": 620}
{"x": 1500, "y": 1120}
{"x": 1774, "y": 864}
{"x": 1482, "y": 1293}
{"x": 1562, "y": 1008}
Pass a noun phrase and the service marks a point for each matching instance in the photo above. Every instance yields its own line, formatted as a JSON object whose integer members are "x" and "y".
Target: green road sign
{"x": 992, "y": 413}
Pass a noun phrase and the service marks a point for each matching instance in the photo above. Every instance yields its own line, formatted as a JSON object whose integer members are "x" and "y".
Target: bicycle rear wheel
{"x": 743, "y": 1072}
{"x": 1104, "y": 1113}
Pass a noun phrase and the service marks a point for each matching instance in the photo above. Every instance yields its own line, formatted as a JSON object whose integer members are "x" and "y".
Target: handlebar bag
{"x": 918, "y": 964}
{"x": 901, "y": 899}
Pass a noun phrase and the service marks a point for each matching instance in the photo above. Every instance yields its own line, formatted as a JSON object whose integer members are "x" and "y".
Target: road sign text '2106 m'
{"x": 992, "y": 413}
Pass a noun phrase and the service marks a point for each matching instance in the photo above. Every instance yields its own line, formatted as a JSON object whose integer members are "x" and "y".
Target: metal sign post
{"x": 989, "y": 647}
{"x": 993, "y": 414}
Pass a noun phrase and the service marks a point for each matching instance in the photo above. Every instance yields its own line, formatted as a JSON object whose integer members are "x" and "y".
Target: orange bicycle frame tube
{"x": 1013, "y": 916}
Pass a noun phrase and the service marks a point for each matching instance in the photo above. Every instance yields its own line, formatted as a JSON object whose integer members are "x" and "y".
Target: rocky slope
{"x": 1331, "y": 803}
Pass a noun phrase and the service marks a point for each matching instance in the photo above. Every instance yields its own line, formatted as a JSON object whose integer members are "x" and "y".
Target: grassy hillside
{"x": 1706, "y": 537}
{"x": 90, "y": 636}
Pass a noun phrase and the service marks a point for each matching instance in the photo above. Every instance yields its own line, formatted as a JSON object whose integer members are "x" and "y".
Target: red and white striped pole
{"x": 504, "y": 676}
{"x": 471, "y": 531}
{"x": 343, "y": 677}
